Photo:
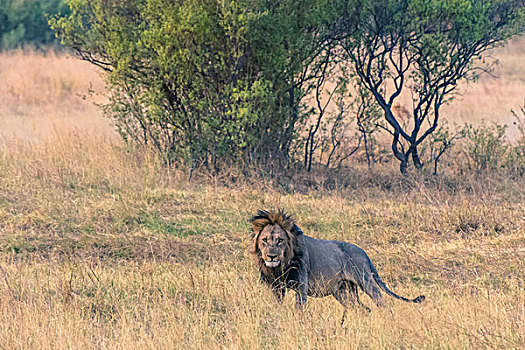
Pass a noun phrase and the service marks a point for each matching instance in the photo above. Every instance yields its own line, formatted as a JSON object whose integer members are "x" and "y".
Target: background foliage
{"x": 202, "y": 80}
{"x": 210, "y": 80}
{"x": 23, "y": 23}
{"x": 288, "y": 82}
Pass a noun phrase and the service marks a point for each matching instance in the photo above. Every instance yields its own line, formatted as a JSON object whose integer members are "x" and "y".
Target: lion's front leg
{"x": 301, "y": 286}
{"x": 277, "y": 286}
{"x": 298, "y": 282}
{"x": 302, "y": 294}
{"x": 279, "y": 292}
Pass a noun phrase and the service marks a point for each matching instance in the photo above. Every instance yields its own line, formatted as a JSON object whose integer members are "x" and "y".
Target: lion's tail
{"x": 383, "y": 286}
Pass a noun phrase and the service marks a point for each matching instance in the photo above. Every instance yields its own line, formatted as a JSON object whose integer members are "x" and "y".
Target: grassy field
{"x": 102, "y": 247}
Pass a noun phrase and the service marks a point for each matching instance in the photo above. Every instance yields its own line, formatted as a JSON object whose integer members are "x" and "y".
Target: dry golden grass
{"x": 102, "y": 247}
{"x": 45, "y": 95}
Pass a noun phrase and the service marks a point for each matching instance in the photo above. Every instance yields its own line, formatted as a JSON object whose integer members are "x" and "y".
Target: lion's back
{"x": 335, "y": 255}
{"x": 323, "y": 253}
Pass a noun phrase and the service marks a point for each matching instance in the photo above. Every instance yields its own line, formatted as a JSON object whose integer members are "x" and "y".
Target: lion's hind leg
{"x": 370, "y": 287}
{"x": 348, "y": 296}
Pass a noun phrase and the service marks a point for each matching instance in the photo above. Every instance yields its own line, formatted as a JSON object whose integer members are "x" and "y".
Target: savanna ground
{"x": 102, "y": 247}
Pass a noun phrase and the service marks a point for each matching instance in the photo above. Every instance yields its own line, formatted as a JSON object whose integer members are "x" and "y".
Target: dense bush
{"x": 202, "y": 80}
{"x": 23, "y": 23}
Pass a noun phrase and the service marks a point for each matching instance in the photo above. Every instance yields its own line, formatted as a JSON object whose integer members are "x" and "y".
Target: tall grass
{"x": 103, "y": 247}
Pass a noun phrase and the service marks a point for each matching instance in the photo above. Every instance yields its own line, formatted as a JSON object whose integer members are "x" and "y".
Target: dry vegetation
{"x": 101, "y": 247}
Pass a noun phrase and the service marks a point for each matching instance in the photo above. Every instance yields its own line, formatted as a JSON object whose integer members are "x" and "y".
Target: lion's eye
{"x": 265, "y": 240}
{"x": 280, "y": 240}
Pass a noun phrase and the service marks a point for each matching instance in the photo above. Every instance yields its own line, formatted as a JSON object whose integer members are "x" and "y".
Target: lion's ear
{"x": 296, "y": 231}
{"x": 255, "y": 244}
{"x": 258, "y": 225}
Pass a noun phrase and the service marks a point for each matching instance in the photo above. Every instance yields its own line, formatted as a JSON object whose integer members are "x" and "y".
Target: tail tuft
{"x": 419, "y": 299}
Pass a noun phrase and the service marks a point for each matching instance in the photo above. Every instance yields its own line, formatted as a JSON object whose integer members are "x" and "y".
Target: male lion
{"x": 289, "y": 259}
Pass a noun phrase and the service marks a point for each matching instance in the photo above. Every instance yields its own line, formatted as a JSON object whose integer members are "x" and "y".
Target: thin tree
{"x": 426, "y": 48}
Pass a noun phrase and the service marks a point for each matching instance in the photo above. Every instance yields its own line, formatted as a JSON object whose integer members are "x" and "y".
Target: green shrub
{"x": 485, "y": 146}
{"x": 201, "y": 80}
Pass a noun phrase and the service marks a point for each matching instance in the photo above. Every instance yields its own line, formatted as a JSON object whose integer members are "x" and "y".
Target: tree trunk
{"x": 400, "y": 154}
{"x": 367, "y": 153}
{"x": 416, "y": 159}
{"x": 289, "y": 132}
{"x": 403, "y": 167}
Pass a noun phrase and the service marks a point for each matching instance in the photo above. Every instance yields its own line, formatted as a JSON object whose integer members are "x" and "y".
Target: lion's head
{"x": 273, "y": 241}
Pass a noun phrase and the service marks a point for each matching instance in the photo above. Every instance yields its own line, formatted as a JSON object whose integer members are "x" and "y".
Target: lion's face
{"x": 273, "y": 244}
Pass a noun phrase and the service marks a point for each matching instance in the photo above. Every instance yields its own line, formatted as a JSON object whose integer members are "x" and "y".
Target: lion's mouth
{"x": 272, "y": 263}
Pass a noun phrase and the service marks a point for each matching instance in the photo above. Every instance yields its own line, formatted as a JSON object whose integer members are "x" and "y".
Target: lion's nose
{"x": 272, "y": 257}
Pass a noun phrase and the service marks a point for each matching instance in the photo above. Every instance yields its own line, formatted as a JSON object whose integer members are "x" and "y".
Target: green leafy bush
{"x": 485, "y": 146}
{"x": 201, "y": 80}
